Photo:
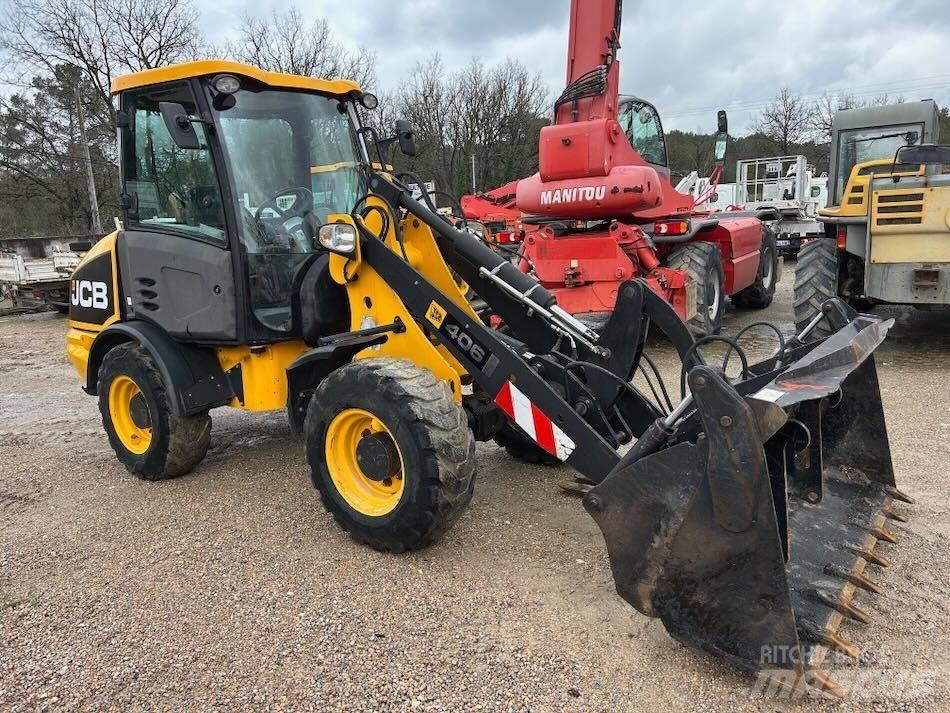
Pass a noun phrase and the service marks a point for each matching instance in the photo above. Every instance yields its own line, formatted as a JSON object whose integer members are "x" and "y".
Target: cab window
{"x": 641, "y": 124}
{"x": 170, "y": 188}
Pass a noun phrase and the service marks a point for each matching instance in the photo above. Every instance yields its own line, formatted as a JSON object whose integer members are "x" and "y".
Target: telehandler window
{"x": 639, "y": 121}
{"x": 172, "y": 188}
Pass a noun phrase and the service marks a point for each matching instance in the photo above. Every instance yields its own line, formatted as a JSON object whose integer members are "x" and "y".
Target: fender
{"x": 192, "y": 376}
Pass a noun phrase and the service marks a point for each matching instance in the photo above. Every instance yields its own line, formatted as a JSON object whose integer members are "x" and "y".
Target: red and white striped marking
{"x": 534, "y": 422}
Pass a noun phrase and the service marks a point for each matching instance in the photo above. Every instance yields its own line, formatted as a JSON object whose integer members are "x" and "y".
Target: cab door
{"x": 175, "y": 266}
{"x": 640, "y": 121}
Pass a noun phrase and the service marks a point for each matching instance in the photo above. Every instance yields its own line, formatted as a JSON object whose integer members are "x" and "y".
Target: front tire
{"x": 149, "y": 440}
{"x": 816, "y": 281}
{"x": 703, "y": 262}
{"x": 760, "y": 293}
{"x": 390, "y": 452}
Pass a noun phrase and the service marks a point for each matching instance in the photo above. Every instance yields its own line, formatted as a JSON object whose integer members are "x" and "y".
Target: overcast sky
{"x": 689, "y": 57}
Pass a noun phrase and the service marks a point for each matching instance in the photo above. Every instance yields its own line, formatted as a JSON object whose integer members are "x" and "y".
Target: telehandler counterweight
{"x": 266, "y": 261}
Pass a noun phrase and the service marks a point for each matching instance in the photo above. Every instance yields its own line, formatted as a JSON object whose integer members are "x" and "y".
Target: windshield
{"x": 293, "y": 159}
{"x": 859, "y": 145}
{"x": 639, "y": 121}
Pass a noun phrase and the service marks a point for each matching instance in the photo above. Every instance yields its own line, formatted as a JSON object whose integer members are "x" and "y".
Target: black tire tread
{"x": 189, "y": 437}
{"x": 520, "y": 447}
{"x": 695, "y": 259}
{"x": 816, "y": 281}
{"x": 438, "y": 425}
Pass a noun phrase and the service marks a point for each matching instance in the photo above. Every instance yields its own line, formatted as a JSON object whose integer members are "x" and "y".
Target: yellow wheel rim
{"x": 124, "y": 394}
{"x": 369, "y": 496}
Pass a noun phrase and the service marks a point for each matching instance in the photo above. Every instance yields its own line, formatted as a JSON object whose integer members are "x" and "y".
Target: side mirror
{"x": 722, "y": 122}
{"x": 927, "y": 154}
{"x": 179, "y": 125}
{"x": 722, "y": 137}
{"x": 407, "y": 137}
{"x": 722, "y": 141}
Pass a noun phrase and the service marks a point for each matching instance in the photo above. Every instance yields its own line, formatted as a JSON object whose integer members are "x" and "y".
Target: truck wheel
{"x": 522, "y": 448}
{"x": 390, "y": 452}
{"x": 816, "y": 281}
{"x": 149, "y": 440}
{"x": 759, "y": 294}
{"x": 703, "y": 262}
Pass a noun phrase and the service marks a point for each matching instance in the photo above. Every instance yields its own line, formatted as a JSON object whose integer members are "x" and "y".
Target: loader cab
{"x": 640, "y": 121}
{"x": 227, "y": 174}
{"x": 875, "y": 134}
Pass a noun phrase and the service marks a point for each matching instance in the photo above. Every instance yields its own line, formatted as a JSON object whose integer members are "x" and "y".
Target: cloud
{"x": 689, "y": 58}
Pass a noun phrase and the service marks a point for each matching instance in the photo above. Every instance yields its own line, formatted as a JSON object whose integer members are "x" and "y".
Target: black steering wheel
{"x": 303, "y": 203}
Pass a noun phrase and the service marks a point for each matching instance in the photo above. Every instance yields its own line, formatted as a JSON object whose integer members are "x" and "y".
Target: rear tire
{"x": 816, "y": 281}
{"x": 149, "y": 440}
{"x": 522, "y": 448}
{"x": 703, "y": 262}
{"x": 759, "y": 294}
{"x": 429, "y": 471}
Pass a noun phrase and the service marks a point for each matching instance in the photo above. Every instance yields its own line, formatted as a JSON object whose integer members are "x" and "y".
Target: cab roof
{"x": 206, "y": 67}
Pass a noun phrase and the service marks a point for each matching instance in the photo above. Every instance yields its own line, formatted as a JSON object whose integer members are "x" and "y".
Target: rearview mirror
{"x": 407, "y": 137}
{"x": 927, "y": 154}
{"x": 179, "y": 125}
{"x": 722, "y": 122}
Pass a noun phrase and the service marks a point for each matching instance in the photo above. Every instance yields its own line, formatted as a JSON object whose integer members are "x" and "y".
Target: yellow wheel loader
{"x": 266, "y": 261}
{"x": 887, "y": 225}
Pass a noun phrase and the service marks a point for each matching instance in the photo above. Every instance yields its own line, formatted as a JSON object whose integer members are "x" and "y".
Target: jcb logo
{"x": 87, "y": 293}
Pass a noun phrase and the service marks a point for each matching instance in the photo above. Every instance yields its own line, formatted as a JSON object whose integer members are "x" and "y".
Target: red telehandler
{"x": 601, "y": 209}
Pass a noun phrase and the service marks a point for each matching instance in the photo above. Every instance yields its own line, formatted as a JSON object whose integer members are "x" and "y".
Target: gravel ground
{"x": 232, "y": 588}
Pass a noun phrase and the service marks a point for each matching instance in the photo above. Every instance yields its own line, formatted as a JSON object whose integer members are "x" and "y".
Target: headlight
{"x": 338, "y": 238}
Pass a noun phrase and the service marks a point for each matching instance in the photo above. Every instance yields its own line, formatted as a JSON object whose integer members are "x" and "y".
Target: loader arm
{"x": 745, "y": 516}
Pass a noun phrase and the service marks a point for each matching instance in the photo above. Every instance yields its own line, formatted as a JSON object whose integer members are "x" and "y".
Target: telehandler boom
{"x": 265, "y": 262}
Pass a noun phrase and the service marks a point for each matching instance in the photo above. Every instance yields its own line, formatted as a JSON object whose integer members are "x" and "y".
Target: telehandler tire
{"x": 816, "y": 281}
{"x": 759, "y": 294}
{"x": 150, "y": 441}
{"x": 390, "y": 452}
{"x": 522, "y": 448}
{"x": 703, "y": 262}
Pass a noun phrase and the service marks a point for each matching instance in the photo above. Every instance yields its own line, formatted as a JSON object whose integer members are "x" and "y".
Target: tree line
{"x": 476, "y": 127}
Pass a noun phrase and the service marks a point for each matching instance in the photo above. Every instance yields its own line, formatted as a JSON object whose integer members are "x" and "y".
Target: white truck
{"x": 792, "y": 187}
{"x": 34, "y": 282}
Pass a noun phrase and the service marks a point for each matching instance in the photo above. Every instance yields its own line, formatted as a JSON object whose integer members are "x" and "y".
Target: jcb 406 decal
{"x": 88, "y": 293}
{"x": 450, "y": 327}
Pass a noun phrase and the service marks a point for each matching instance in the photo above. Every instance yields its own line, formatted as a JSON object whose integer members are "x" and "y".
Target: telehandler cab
{"x": 265, "y": 262}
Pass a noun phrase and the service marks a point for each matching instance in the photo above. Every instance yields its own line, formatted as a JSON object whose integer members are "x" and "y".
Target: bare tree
{"x": 828, "y": 104}
{"x": 285, "y": 42}
{"x": 492, "y": 114}
{"x": 786, "y": 120}
{"x": 100, "y": 38}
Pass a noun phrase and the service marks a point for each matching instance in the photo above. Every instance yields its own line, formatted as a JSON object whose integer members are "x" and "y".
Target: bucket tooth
{"x": 875, "y": 558}
{"x": 882, "y": 534}
{"x": 833, "y": 641}
{"x": 575, "y": 488}
{"x": 898, "y": 495}
{"x": 894, "y": 515}
{"x": 855, "y": 578}
{"x": 843, "y": 607}
{"x": 859, "y": 580}
{"x": 823, "y": 683}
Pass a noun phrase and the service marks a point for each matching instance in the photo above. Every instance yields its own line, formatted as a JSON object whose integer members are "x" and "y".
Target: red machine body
{"x": 591, "y": 174}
